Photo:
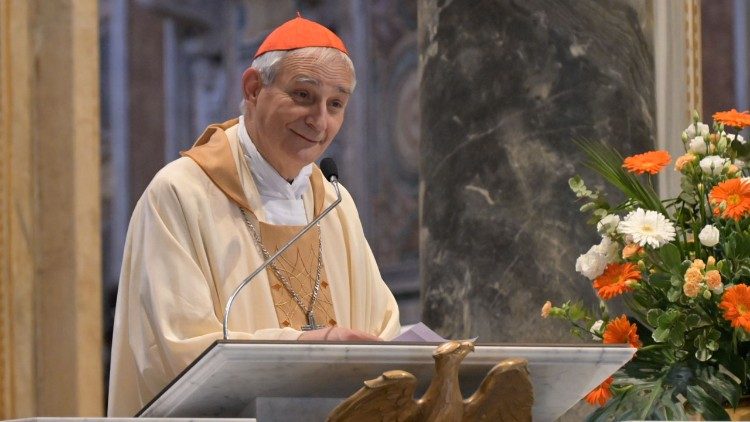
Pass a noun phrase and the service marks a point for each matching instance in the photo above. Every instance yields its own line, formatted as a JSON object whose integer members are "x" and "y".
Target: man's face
{"x": 294, "y": 120}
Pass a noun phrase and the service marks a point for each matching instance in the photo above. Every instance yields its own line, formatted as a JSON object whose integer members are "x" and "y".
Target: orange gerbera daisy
{"x": 649, "y": 162}
{"x": 733, "y": 118}
{"x": 615, "y": 279}
{"x": 734, "y": 194}
{"x": 602, "y": 393}
{"x": 736, "y": 306}
{"x": 620, "y": 331}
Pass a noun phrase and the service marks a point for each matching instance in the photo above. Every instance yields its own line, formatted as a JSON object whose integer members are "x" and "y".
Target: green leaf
{"x": 677, "y": 335}
{"x": 674, "y": 294}
{"x": 705, "y": 404}
{"x": 660, "y": 335}
{"x": 652, "y": 317}
{"x": 692, "y": 320}
{"x": 606, "y": 161}
{"x": 721, "y": 384}
{"x": 670, "y": 256}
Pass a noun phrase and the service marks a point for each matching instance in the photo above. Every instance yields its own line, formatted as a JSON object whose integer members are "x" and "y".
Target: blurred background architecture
{"x": 97, "y": 95}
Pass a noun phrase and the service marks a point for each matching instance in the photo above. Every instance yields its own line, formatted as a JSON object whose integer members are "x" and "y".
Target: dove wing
{"x": 505, "y": 395}
{"x": 390, "y": 397}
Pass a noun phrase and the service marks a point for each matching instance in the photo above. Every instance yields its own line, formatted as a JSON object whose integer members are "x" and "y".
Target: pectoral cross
{"x": 311, "y": 325}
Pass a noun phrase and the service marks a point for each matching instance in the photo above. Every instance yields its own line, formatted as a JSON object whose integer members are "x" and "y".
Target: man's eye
{"x": 337, "y": 104}
{"x": 301, "y": 94}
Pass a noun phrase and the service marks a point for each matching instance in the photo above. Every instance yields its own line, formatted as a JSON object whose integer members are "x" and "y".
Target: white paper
{"x": 419, "y": 333}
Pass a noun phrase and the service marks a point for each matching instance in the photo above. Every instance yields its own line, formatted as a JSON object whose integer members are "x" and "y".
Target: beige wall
{"x": 50, "y": 294}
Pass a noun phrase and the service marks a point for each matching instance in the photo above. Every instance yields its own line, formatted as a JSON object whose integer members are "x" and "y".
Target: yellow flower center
{"x": 733, "y": 199}
{"x": 647, "y": 228}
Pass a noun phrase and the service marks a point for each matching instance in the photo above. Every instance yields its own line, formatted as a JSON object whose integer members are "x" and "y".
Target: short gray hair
{"x": 268, "y": 64}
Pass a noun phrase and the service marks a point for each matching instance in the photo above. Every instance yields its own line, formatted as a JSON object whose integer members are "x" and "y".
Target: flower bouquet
{"x": 681, "y": 266}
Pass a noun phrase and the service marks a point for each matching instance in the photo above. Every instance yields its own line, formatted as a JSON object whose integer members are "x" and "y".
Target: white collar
{"x": 269, "y": 181}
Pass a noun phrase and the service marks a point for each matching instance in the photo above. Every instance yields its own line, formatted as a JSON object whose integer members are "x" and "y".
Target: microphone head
{"x": 329, "y": 169}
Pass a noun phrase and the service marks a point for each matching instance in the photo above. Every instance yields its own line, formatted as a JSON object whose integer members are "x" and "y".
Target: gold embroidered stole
{"x": 213, "y": 154}
{"x": 299, "y": 265}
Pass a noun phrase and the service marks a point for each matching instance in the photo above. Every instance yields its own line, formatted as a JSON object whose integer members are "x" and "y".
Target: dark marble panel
{"x": 506, "y": 86}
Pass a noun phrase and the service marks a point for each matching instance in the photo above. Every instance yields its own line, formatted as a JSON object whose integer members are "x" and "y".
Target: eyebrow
{"x": 310, "y": 80}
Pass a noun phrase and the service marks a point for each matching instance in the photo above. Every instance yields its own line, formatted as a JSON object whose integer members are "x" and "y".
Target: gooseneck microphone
{"x": 328, "y": 167}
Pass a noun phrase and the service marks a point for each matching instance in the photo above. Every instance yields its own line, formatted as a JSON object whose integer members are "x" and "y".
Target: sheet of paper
{"x": 419, "y": 333}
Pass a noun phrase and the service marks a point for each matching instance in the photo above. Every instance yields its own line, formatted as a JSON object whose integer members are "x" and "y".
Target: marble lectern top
{"x": 230, "y": 376}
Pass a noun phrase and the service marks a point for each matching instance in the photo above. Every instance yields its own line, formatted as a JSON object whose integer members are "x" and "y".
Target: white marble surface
{"x": 226, "y": 381}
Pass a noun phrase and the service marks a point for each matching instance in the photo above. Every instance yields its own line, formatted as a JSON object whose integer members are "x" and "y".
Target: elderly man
{"x": 210, "y": 218}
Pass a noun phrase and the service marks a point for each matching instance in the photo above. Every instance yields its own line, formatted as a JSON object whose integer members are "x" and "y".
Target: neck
{"x": 287, "y": 174}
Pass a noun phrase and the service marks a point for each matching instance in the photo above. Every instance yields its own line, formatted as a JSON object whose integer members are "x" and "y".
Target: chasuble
{"x": 188, "y": 247}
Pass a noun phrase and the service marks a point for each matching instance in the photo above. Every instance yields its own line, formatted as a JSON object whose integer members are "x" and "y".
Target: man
{"x": 210, "y": 218}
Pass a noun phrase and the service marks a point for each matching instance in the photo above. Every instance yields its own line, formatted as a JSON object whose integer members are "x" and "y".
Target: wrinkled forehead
{"x": 332, "y": 68}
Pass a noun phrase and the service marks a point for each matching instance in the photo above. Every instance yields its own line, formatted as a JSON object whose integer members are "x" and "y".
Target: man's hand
{"x": 337, "y": 334}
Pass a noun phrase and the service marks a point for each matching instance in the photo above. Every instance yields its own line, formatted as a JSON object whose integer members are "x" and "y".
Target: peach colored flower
{"x": 631, "y": 249}
{"x": 693, "y": 275}
{"x": 683, "y": 160}
{"x": 733, "y": 118}
{"x": 699, "y": 264}
{"x": 601, "y": 394}
{"x": 649, "y": 162}
{"x": 713, "y": 280}
{"x": 546, "y": 308}
{"x": 612, "y": 282}
{"x": 620, "y": 330}
{"x": 736, "y": 306}
{"x": 711, "y": 261}
{"x": 691, "y": 289}
{"x": 734, "y": 195}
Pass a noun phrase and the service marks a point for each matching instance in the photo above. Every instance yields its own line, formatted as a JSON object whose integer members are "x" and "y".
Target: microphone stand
{"x": 228, "y": 308}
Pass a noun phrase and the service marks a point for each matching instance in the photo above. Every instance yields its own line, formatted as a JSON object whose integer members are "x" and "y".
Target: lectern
{"x": 273, "y": 380}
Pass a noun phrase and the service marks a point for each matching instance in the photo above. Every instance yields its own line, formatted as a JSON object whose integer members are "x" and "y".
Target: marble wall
{"x": 506, "y": 87}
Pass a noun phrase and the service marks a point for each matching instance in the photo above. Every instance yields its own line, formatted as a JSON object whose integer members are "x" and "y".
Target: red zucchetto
{"x": 298, "y": 33}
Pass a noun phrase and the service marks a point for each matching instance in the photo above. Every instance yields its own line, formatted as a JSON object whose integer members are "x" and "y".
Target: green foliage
{"x": 692, "y": 360}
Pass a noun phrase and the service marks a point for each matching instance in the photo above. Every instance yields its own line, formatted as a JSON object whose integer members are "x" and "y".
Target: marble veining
{"x": 232, "y": 376}
{"x": 507, "y": 85}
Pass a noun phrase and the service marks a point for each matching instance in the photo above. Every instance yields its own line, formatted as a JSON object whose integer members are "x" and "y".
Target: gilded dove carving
{"x": 504, "y": 395}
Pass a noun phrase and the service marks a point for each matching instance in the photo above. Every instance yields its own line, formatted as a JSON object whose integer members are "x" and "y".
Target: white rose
{"x": 591, "y": 264}
{"x": 596, "y": 329}
{"x": 694, "y": 129}
{"x": 732, "y": 137}
{"x": 709, "y": 236}
{"x": 712, "y": 165}
{"x": 697, "y": 145}
{"x": 608, "y": 224}
{"x": 607, "y": 249}
{"x": 739, "y": 163}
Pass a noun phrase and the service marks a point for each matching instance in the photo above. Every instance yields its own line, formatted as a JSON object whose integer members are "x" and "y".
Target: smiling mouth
{"x": 305, "y": 138}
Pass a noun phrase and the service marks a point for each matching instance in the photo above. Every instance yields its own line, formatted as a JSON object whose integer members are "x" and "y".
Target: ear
{"x": 251, "y": 84}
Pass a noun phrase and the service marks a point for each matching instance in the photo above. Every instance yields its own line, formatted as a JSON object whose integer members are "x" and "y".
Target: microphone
{"x": 328, "y": 167}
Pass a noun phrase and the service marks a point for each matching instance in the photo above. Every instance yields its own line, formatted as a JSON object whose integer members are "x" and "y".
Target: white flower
{"x": 596, "y": 329}
{"x": 699, "y": 129}
{"x": 712, "y": 165}
{"x": 647, "y": 228}
{"x": 592, "y": 263}
{"x": 739, "y": 163}
{"x": 697, "y": 145}
{"x": 709, "y": 236}
{"x": 731, "y": 137}
{"x": 608, "y": 224}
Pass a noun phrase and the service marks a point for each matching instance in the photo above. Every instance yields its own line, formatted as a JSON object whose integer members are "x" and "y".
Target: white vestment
{"x": 187, "y": 249}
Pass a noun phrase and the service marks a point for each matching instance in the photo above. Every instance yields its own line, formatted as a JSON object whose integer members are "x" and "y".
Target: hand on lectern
{"x": 337, "y": 334}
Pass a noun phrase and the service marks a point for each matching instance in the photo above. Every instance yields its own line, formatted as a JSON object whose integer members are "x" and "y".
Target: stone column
{"x": 506, "y": 87}
{"x": 50, "y": 275}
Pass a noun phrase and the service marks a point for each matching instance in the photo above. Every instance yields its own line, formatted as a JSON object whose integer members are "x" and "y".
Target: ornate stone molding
{"x": 677, "y": 58}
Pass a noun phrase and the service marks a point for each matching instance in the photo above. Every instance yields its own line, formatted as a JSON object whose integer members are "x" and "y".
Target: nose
{"x": 316, "y": 118}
